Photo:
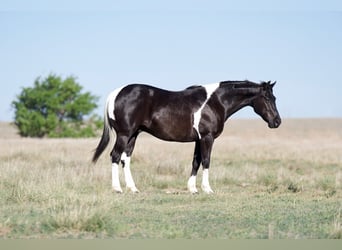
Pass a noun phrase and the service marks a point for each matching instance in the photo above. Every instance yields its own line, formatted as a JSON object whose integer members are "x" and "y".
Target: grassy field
{"x": 283, "y": 183}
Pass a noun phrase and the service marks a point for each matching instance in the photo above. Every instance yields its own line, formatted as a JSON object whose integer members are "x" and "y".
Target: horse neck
{"x": 234, "y": 99}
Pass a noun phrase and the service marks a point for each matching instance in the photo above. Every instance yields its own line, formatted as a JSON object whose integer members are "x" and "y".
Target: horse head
{"x": 265, "y": 105}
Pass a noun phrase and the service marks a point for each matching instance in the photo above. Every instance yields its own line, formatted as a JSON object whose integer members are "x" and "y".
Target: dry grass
{"x": 283, "y": 183}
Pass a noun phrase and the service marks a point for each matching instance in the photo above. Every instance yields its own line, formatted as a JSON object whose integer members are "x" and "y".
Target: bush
{"x": 55, "y": 107}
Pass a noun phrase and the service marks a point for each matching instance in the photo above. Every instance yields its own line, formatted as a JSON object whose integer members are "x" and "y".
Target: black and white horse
{"x": 196, "y": 114}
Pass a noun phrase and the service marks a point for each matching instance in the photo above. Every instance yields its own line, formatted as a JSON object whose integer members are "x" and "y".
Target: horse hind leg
{"x": 126, "y": 160}
{"x": 116, "y": 154}
{"x": 115, "y": 178}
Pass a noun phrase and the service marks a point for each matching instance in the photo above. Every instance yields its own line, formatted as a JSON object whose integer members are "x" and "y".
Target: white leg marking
{"x": 210, "y": 89}
{"x": 205, "y": 182}
{"x": 192, "y": 185}
{"x": 128, "y": 175}
{"x": 111, "y": 102}
{"x": 115, "y": 178}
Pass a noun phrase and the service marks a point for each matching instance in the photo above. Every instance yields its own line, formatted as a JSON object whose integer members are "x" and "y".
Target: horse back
{"x": 166, "y": 114}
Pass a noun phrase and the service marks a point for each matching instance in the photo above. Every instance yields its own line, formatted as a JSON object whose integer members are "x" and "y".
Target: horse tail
{"x": 104, "y": 139}
{"x": 107, "y": 127}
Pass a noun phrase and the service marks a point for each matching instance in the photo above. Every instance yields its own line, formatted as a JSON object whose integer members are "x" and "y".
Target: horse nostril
{"x": 277, "y": 122}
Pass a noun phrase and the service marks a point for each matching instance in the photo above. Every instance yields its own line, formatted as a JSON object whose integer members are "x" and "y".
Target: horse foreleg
{"x": 192, "y": 184}
{"x": 205, "y": 182}
{"x": 206, "y": 146}
{"x": 195, "y": 166}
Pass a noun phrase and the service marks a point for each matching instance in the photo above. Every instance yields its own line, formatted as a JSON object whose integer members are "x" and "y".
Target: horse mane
{"x": 245, "y": 87}
{"x": 237, "y": 84}
{"x": 193, "y": 86}
{"x": 241, "y": 84}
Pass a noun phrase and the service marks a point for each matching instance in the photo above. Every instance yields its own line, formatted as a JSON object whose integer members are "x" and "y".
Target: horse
{"x": 195, "y": 114}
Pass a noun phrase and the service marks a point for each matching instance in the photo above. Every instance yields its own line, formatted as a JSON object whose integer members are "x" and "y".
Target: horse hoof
{"x": 117, "y": 190}
{"x": 193, "y": 191}
{"x": 207, "y": 190}
{"x": 192, "y": 188}
{"x": 134, "y": 190}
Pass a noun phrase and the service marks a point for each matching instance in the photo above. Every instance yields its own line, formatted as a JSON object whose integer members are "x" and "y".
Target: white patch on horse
{"x": 110, "y": 104}
{"x": 205, "y": 182}
{"x": 210, "y": 89}
{"x": 192, "y": 184}
{"x": 115, "y": 178}
{"x": 127, "y": 172}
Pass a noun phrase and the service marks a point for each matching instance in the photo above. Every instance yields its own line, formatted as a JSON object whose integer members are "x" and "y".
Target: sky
{"x": 176, "y": 45}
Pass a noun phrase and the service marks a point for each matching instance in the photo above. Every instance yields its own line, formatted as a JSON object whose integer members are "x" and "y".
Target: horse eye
{"x": 270, "y": 98}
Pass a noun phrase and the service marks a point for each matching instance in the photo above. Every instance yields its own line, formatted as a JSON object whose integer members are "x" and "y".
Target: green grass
{"x": 283, "y": 187}
{"x": 160, "y": 215}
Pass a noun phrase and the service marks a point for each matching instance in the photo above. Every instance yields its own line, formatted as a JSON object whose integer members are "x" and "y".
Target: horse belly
{"x": 172, "y": 126}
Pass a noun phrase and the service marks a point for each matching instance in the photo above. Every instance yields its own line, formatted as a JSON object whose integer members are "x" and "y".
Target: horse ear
{"x": 272, "y": 84}
{"x": 265, "y": 85}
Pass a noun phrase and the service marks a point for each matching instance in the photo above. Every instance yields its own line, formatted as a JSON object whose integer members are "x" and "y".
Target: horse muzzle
{"x": 275, "y": 123}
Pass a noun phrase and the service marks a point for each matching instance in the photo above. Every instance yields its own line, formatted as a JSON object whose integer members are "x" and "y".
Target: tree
{"x": 55, "y": 107}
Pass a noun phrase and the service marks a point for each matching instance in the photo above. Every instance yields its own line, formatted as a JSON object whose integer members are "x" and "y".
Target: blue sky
{"x": 174, "y": 46}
